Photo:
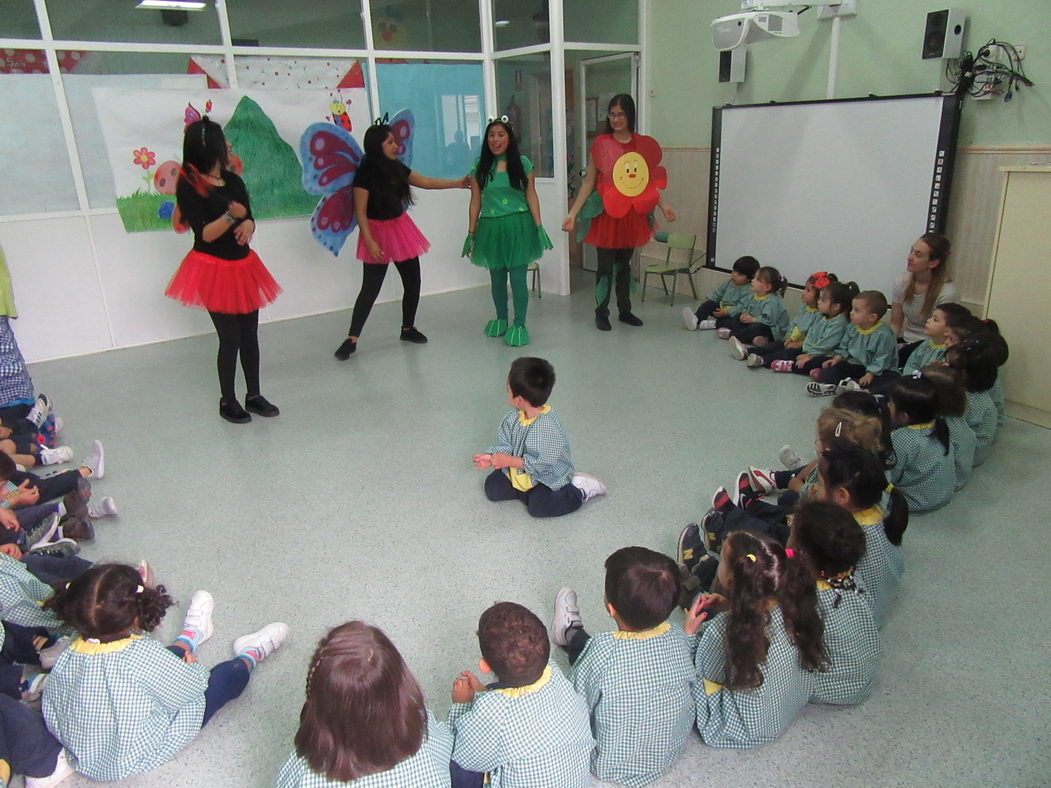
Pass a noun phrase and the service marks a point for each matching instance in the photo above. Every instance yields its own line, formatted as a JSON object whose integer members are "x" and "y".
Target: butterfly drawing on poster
{"x": 330, "y": 161}
{"x": 191, "y": 115}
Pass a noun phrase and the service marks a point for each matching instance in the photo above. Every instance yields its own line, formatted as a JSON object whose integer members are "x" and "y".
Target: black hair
{"x": 487, "y": 162}
{"x": 829, "y": 535}
{"x": 952, "y": 393}
{"x": 773, "y": 277}
{"x": 204, "y": 144}
{"x": 642, "y": 585}
{"x": 916, "y": 398}
{"x": 532, "y": 379}
{"x": 391, "y": 172}
{"x": 953, "y": 312}
{"x": 841, "y": 293}
{"x": 626, "y": 103}
{"x": 860, "y": 473}
{"x": 7, "y": 467}
{"x": 746, "y": 265}
{"x": 976, "y": 360}
{"x": 109, "y": 600}
{"x": 514, "y": 642}
{"x": 875, "y": 302}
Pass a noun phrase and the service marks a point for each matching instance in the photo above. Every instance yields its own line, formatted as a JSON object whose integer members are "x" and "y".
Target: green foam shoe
{"x": 517, "y": 336}
{"x": 496, "y": 328}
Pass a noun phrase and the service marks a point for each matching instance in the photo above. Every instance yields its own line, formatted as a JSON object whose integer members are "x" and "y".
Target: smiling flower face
{"x": 631, "y": 179}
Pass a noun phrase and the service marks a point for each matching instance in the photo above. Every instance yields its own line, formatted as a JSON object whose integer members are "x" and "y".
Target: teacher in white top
{"x": 923, "y": 286}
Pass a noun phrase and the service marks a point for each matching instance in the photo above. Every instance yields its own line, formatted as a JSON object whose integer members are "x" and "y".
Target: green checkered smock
{"x": 123, "y": 707}
{"x": 638, "y": 686}
{"x": 747, "y": 718}
{"x": 923, "y": 354}
{"x": 770, "y": 310}
{"x": 21, "y": 594}
{"x": 923, "y": 471}
{"x": 880, "y": 570}
{"x": 874, "y": 348}
{"x": 728, "y": 294}
{"x": 428, "y": 768}
{"x": 852, "y": 643}
{"x": 997, "y": 393}
{"x": 808, "y": 484}
{"x": 964, "y": 443}
{"x": 540, "y": 442}
{"x": 526, "y": 737}
{"x": 981, "y": 416}
{"x": 804, "y": 320}
{"x": 825, "y": 335}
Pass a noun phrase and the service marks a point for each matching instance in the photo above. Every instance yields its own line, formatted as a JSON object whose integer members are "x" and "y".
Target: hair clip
{"x": 790, "y": 553}
{"x": 917, "y": 374}
{"x": 751, "y": 557}
{"x": 382, "y": 121}
{"x": 889, "y": 488}
{"x": 138, "y": 589}
{"x": 202, "y": 133}
{"x": 839, "y": 428}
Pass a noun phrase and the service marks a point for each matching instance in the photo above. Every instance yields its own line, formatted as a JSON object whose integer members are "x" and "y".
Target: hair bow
{"x": 820, "y": 279}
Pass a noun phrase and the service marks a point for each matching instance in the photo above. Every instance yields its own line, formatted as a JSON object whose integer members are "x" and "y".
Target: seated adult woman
{"x": 923, "y": 286}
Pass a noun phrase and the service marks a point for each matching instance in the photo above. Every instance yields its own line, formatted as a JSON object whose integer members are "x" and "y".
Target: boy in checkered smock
{"x": 868, "y": 352}
{"x": 828, "y": 535}
{"x": 747, "y": 694}
{"x": 638, "y": 680}
{"x": 119, "y": 701}
{"x": 531, "y": 459}
{"x": 715, "y": 311}
{"x": 341, "y": 741}
{"x": 529, "y": 728}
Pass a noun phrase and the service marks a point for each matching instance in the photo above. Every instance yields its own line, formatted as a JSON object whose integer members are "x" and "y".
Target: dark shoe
{"x": 691, "y": 547}
{"x": 60, "y": 548}
{"x": 261, "y": 407}
{"x": 705, "y": 572}
{"x": 412, "y": 335}
{"x": 630, "y": 319}
{"x": 602, "y": 323}
{"x": 77, "y": 529}
{"x": 349, "y": 346}
{"x": 714, "y": 531}
{"x": 231, "y": 410}
{"x": 76, "y": 502}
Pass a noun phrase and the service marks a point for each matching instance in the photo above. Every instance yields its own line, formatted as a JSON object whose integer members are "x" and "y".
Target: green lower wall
{"x": 879, "y": 53}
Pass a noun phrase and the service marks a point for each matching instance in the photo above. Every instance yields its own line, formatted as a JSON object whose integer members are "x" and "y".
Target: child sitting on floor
{"x": 356, "y": 671}
{"x": 531, "y": 459}
{"x": 636, "y": 681}
{"x": 952, "y": 406}
{"x": 832, "y": 540}
{"x": 867, "y": 352}
{"x": 976, "y": 360}
{"x": 798, "y": 330}
{"x": 527, "y": 729}
{"x": 760, "y": 318}
{"x": 715, "y": 311}
{"x": 924, "y": 468}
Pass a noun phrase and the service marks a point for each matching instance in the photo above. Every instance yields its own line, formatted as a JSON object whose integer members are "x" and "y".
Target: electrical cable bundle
{"x": 984, "y": 74}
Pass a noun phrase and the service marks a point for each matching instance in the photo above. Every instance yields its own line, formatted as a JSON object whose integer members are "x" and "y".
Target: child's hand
{"x": 793, "y": 345}
{"x": 12, "y": 550}
{"x": 703, "y": 608}
{"x": 720, "y": 312}
{"x": 866, "y": 380}
{"x": 25, "y": 495}
{"x": 5, "y": 432}
{"x": 8, "y": 520}
{"x": 465, "y": 686}
{"x": 483, "y": 461}
{"x": 802, "y": 359}
{"x": 500, "y": 460}
{"x": 746, "y": 318}
{"x": 830, "y": 363}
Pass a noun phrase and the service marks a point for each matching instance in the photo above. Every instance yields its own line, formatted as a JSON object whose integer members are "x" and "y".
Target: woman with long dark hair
{"x": 386, "y": 234}
{"x": 221, "y": 273}
{"x": 625, "y": 169}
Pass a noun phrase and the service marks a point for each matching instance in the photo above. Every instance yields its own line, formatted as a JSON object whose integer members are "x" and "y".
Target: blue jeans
{"x": 226, "y": 681}
{"x": 540, "y": 501}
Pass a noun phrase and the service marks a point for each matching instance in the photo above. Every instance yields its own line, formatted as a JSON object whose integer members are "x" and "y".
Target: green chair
{"x": 535, "y": 268}
{"x": 668, "y": 268}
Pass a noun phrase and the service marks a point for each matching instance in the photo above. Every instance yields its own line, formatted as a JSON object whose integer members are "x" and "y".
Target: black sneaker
{"x": 412, "y": 335}
{"x": 259, "y": 405}
{"x": 713, "y": 531}
{"x": 349, "y": 346}
{"x": 691, "y": 547}
{"x": 602, "y": 323}
{"x": 705, "y": 572}
{"x": 630, "y": 319}
{"x": 231, "y": 410}
{"x": 60, "y": 548}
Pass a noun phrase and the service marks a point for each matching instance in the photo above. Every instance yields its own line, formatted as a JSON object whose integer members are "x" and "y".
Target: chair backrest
{"x": 681, "y": 241}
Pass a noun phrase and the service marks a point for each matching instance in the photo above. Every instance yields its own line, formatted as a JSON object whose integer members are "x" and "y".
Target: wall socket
{"x": 1020, "y": 48}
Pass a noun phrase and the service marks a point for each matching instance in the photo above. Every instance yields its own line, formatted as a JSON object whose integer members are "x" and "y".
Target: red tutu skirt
{"x": 233, "y": 287}
{"x": 629, "y": 232}
{"x": 399, "y": 239}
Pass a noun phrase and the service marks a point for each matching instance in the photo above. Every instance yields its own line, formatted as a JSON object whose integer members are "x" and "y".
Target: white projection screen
{"x": 843, "y": 185}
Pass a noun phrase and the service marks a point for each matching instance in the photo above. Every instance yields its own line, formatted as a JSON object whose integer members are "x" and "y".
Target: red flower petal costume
{"x": 629, "y": 177}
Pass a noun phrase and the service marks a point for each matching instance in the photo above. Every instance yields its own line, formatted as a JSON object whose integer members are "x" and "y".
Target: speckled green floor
{"x": 360, "y": 501}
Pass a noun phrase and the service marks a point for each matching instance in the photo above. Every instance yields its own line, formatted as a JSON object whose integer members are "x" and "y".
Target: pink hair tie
{"x": 790, "y": 552}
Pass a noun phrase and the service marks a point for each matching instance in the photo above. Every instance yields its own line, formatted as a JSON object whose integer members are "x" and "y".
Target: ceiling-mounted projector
{"x": 730, "y": 32}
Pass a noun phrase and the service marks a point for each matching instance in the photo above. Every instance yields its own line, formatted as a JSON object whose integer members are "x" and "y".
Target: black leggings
{"x": 372, "y": 280}
{"x": 237, "y": 334}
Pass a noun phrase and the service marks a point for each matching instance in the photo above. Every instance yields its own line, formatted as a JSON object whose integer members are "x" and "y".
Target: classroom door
{"x": 601, "y": 78}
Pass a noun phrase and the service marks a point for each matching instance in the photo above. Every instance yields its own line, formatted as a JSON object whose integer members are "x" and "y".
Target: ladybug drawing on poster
{"x": 330, "y": 158}
{"x": 339, "y": 115}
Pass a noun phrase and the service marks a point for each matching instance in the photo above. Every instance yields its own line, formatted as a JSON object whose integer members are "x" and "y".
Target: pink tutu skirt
{"x": 233, "y": 287}
{"x": 400, "y": 239}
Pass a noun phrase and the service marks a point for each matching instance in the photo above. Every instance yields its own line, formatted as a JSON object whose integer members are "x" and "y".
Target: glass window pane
{"x": 429, "y": 25}
{"x": 318, "y": 23}
{"x": 601, "y": 21}
{"x": 19, "y": 20}
{"x": 106, "y": 20}
{"x": 33, "y": 156}
{"x": 447, "y": 101}
{"x": 523, "y": 93}
{"x": 520, "y": 24}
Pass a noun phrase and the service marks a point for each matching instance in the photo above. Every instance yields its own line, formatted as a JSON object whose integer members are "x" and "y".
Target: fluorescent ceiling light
{"x": 502, "y": 23}
{"x": 173, "y": 5}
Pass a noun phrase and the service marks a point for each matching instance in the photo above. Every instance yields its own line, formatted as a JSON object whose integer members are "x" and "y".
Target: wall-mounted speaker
{"x": 943, "y": 34}
{"x": 731, "y": 64}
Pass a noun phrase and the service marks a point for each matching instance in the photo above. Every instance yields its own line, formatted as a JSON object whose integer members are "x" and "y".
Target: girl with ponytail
{"x": 924, "y": 463}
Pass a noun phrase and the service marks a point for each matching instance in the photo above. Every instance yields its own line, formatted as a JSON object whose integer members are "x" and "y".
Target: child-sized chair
{"x": 675, "y": 241}
{"x": 535, "y": 268}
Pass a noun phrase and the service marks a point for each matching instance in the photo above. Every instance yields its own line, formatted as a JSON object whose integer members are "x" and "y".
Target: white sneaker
{"x": 96, "y": 460}
{"x": 104, "y": 508}
{"x": 847, "y": 384}
{"x": 706, "y": 325}
{"x": 722, "y": 333}
{"x": 821, "y": 389}
{"x": 737, "y": 349}
{"x": 59, "y": 424}
{"x": 689, "y": 317}
{"x": 754, "y": 361}
{"x": 49, "y": 656}
{"x": 264, "y": 642}
{"x": 588, "y": 485}
{"x": 63, "y": 769}
{"x": 55, "y": 456}
{"x": 32, "y": 688}
{"x": 762, "y": 479}
{"x": 199, "y": 615}
{"x": 41, "y": 408}
{"x": 790, "y": 458}
{"x": 567, "y": 616}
